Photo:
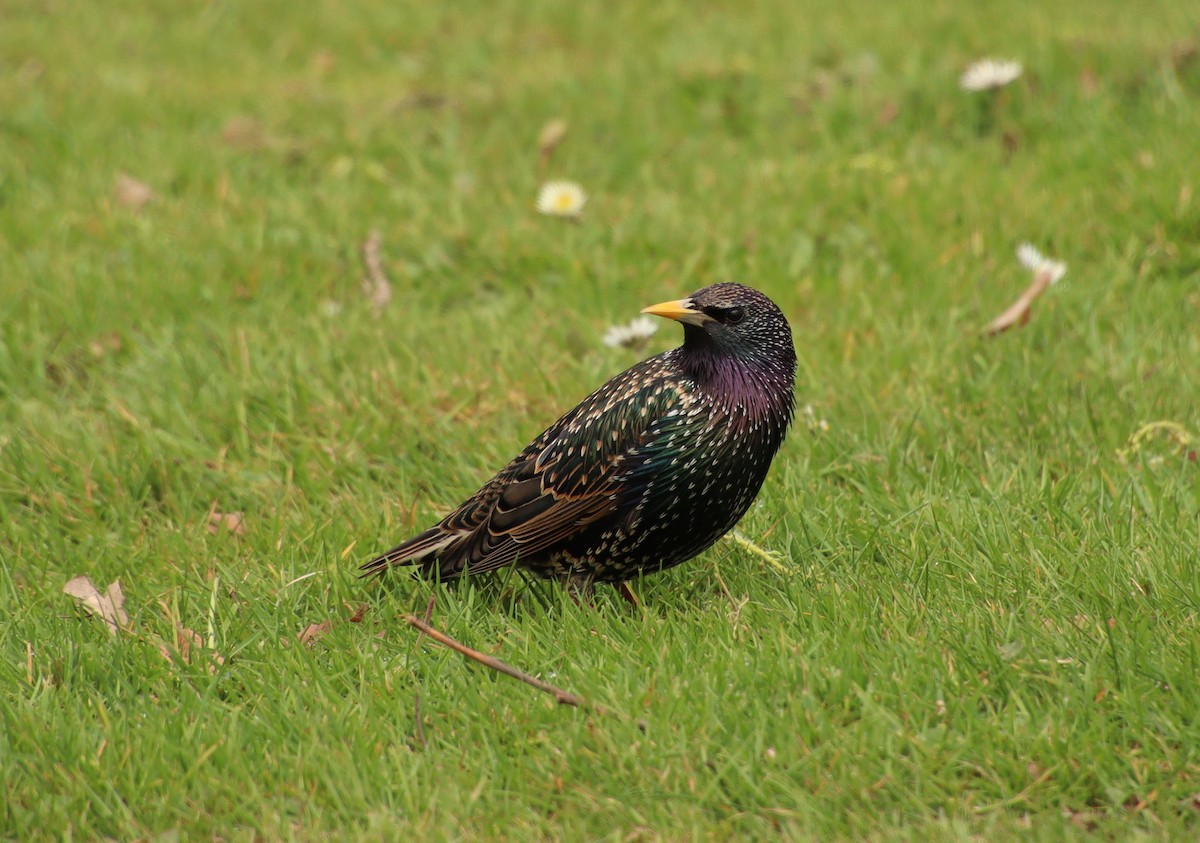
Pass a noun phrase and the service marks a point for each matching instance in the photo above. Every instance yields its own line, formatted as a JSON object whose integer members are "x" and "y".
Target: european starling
{"x": 649, "y": 470}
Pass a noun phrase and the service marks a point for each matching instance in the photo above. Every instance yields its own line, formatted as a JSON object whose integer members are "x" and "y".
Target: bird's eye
{"x": 734, "y": 315}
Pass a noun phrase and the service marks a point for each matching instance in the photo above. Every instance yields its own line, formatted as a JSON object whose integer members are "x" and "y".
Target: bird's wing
{"x": 571, "y": 476}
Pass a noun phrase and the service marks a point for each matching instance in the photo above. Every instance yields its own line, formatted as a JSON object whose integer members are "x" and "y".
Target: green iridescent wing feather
{"x": 570, "y": 477}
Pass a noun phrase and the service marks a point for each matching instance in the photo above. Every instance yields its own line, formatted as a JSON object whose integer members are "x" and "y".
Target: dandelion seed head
{"x": 989, "y": 74}
{"x": 632, "y": 335}
{"x": 1039, "y": 264}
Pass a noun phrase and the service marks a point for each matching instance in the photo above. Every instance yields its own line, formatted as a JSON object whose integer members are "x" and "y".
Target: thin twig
{"x": 560, "y": 696}
{"x": 375, "y": 283}
{"x": 428, "y": 614}
{"x": 1018, "y": 312}
{"x": 736, "y": 604}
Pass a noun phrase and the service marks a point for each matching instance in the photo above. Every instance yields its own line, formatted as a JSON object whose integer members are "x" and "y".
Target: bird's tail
{"x": 412, "y": 552}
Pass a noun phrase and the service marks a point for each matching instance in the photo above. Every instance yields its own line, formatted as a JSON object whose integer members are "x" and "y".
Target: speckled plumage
{"x": 648, "y": 470}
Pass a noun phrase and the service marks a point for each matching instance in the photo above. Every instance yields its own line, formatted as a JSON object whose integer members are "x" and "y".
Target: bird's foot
{"x": 582, "y": 591}
{"x": 627, "y": 594}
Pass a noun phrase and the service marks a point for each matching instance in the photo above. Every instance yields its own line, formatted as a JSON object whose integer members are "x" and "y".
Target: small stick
{"x": 560, "y": 696}
{"x": 1018, "y": 312}
{"x": 375, "y": 283}
{"x": 428, "y": 614}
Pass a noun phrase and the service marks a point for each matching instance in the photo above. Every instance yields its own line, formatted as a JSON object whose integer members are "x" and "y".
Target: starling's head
{"x": 732, "y": 319}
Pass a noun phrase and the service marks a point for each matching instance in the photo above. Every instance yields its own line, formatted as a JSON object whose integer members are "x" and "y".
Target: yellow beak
{"x": 680, "y": 310}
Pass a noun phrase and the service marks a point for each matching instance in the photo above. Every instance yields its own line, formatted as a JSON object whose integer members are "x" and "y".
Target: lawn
{"x": 967, "y": 602}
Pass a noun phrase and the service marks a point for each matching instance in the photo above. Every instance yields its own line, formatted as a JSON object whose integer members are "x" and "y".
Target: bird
{"x": 646, "y": 472}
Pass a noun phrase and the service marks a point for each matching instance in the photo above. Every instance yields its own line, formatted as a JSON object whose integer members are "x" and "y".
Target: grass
{"x": 988, "y": 623}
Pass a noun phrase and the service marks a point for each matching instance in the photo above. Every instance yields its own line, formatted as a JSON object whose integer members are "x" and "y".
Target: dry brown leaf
{"x": 314, "y": 631}
{"x": 132, "y": 193}
{"x": 1018, "y": 312}
{"x": 1085, "y": 819}
{"x": 1133, "y": 802}
{"x": 187, "y": 640}
{"x": 108, "y": 605}
{"x": 226, "y": 522}
{"x": 359, "y": 613}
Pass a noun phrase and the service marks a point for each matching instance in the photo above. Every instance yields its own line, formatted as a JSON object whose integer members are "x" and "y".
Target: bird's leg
{"x": 581, "y": 590}
{"x": 626, "y": 592}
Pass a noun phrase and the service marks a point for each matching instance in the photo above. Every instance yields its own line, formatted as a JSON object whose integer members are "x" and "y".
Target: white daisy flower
{"x": 561, "y": 199}
{"x": 814, "y": 423}
{"x": 989, "y": 74}
{"x": 1039, "y": 264}
{"x": 632, "y": 335}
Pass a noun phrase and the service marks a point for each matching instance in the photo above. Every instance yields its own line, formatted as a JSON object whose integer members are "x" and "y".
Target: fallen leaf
{"x": 314, "y": 631}
{"x": 188, "y": 641}
{"x": 132, "y": 193}
{"x": 359, "y": 613}
{"x": 228, "y": 522}
{"x": 109, "y": 605}
{"x": 185, "y": 639}
{"x": 1018, "y": 312}
{"x": 1086, "y": 820}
